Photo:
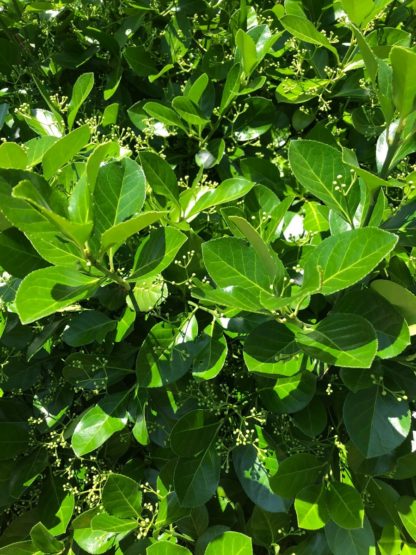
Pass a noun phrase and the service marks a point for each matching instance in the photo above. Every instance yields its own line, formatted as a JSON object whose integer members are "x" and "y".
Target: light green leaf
{"x": 403, "y": 61}
{"x": 230, "y": 542}
{"x": 400, "y": 297}
{"x": 119, "y": 193}
{"x": 44, "y": 541}
{"x": 64, "y": 150}
{"x": 122, "y": 496}
{"x": 357, "y": 10}
{"x": 345, "y": 506}
{"x": 305, "y": 30}
{"x": 116, "y": 235}
{"x": 228, "y": 191}
{"x": 13, "y": 156}
{"x": 320, "y": 169}
{"x": 376, "y": 423}
{"x": 49, "y": 290}
{"x": 110, "y": 523}
{"x": 340, "y": 261}
{"x": 341, "y": 339}
{"x": 159, "y": 176}
{"x": 166, "y": 548}
{"x": 247, "y": 50}
{"x": 189, "y": 111}
{"x": 406, "y": 507}
{"x": 310, "y": 508}
{"x": 164, "y": 114}
{"x": 80, "y": 91}
{"x": 99, "y": 423}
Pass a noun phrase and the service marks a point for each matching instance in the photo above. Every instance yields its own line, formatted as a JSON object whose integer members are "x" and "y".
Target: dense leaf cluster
{"x": 207, "y": 277}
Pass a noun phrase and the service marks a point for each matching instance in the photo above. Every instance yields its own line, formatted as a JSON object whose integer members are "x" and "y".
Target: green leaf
{"x": 116, "y": 235}
{"x": 310, "y": 507}
{"x": 119, "y": 194}
{"x": 195, "y": 480}
{"x": 80, "y": 92}
{"x": 166, "y": 353}
{"x": 122, "y": 496}
{"x": 357, "y": 10}
{"x": 160, "y": 176}
{"x": 231, "y": 262}
{"x": 164, "y": 114}
{"x": 376, "y": 423}
{"x": 340, "y": 261}
{"x": 64, "y": 150}
{"x": 341, "y": 339}
{"x": 254, "y": 479}
{"x": 359, "y": 541}
{"x": 56, "y": 505}
{"x": 391, "y": 328}
{"x": 156, "y": 252}
{"x": 139, "y": 60}
{"x": 304, "y": 30}
{"x": 210, "y": 353}
{"x": 345, "y": 506}
{"x": 320, "y": 169}
{"x": 267, "y": 528}
{"x": 19, "y": 548}
{"x": 92, "y": 541}
{"x": 291, "y": 394}
{"x": 230, "y": 542}
{"x": 406, "y": 507}
{"x": 228, "y": 191}
{"x": 271, "y": 349}
{"x": 295, "y": 473}
{"x": 193, "y": 433}
{"x": 109, "y": 523}
{"x": 166, "y": 548}
{"x": 12, "y": 156}
{"x": 231, "y": 87}
{"x": 312, "y": 419}
{"x": 88, "y": 327}
{"x": 52, "y": 289}
{"x": 99, "y": 423}
{"x": 44, "y": 541}
{"x": 189, "y": 111}
{"x": 17, "y": 256}
{"x": 247, "y": 50}
{"x": 78, "y": 233}
{"x": 14, "y": 430}
{"x": 403, "y": 61}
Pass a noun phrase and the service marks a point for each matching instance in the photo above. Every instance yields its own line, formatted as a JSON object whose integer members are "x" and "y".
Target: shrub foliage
{"x": 208, "y": 303}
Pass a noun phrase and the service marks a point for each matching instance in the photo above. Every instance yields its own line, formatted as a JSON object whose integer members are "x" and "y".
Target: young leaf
{"x": 304, "y": 30}
{"x": 116, "y": 235}
{"x": 119, "y": 193}
{"x": 80, "y": 92}
{"x": 403, "y": 61}
{"x": 12, "y": 156}
{"x": 166, "y": 548}
{"x": 64, "y": 150}
{"x": 310, "y": 508}
{"x": 49, "y": 290}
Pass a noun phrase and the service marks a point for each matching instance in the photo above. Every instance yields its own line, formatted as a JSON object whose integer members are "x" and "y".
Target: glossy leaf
{"x": 345, "y": 506}
{"x": 295, "y": 473}
{"x": 64, "y": 150}
{"x": 80, "y": 92}
{"x": 230, "y": 542}
{"x": 48, "y": 290}
{"x": 122, "y": 496}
